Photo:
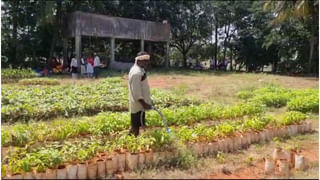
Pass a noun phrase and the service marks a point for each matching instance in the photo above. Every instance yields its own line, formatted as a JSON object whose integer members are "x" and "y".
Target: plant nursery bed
{"x": 104, "y": 164}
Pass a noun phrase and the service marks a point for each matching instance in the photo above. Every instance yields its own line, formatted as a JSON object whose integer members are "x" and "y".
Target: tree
{"x": 189, "y": 26}
{"x": 304, "y": 10}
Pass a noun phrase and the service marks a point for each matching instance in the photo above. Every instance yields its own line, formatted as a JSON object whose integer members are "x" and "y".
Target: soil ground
{"x": 222, "y": 88}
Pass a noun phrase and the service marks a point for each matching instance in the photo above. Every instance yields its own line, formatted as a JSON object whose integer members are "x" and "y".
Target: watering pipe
{"x": 162, "y": 118}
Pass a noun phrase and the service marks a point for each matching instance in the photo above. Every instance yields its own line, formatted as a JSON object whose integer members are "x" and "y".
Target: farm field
{"x": 50, "y": 124}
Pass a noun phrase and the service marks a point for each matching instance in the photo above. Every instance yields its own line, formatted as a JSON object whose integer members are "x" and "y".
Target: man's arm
{"x": 144, "y": 104}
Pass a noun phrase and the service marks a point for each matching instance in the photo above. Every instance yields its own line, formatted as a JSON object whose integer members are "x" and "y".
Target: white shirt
{"x": 96, "y": 61}
{"x": 82, "y": 62}
{"x": 74, "y": 62}
{"x": 138, "y": 89}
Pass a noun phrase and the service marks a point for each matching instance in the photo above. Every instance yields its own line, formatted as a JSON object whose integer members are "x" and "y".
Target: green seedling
{"x": 249, "y": 161}
{"x": 220, "y": 157}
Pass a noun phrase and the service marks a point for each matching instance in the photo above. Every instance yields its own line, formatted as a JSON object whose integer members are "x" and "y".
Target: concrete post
{"x": 167, "y": 54}
{"x": 149, "y": 48}
{"x": 78, "y": 50}
{"x": 112, "y": 44}
{"x": 142, "y": 45}
{"x": 65, "y": 51}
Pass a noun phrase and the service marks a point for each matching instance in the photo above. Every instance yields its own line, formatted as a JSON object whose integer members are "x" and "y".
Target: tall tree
{"x": 304, "y": 10}
{"x": 190, "y": 25}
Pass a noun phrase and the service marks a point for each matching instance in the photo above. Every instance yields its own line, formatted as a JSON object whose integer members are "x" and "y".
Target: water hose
{"x": 162, "y": 118}
{"x": 165, "y": 122}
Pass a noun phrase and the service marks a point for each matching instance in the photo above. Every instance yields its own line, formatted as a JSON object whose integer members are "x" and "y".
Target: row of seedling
{"x": 101, "y": 166}
{"x": 109, "y": 163}
{"x": 110, "y": 122}
{"x": 305, "y": 100}
{"x": 254, "y": 131}
{"x": 207, "y": 133}
{"x": 26, "y": 103}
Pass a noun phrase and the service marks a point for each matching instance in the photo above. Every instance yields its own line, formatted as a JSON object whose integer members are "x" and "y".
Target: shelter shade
{"x": 89, "y": 24}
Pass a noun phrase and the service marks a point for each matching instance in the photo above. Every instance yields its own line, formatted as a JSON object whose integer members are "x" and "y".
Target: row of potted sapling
{"x": 101, "y": 166}
{"x": 243, "y": 140}
{"x": 213, "y": 132}
{"x": 106, "y": 123}
{"x": 107, "y": 164}
{"x": 134, "y": 158}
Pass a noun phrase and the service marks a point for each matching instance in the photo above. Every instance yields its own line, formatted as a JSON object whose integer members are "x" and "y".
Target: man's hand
{"x": 144, "y": 104}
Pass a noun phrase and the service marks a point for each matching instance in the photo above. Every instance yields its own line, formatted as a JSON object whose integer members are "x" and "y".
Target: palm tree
{"x": 303, "y": 10}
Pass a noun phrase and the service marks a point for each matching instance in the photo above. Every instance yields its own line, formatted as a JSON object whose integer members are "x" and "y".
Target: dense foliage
{"x": 306, "y": 100}
{"x": 246, "y": 30}
{"x": 39, "y": 81}
{"x": 13, "y": 74}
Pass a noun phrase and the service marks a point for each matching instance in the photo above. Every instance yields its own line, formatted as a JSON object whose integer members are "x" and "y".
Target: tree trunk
{"x": 231, "y": 59}
{"x": 312, "y": 42}
{"x": 15, "y": 31}
{"x": 241, "y": 65}
{"x": 314, "y": 20}
{"x": 56, "y": 34}
{"x": 65, "y": 52}
{"x": 227, "y": 28}
{"x": 52, "y": 45}
{"x": 216, "y": 47}
{"x": 184, "y": 55}
{"x": 274, "y": 67}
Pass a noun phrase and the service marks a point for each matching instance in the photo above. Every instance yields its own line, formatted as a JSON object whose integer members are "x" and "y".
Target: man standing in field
{"x": 139, "y": 92}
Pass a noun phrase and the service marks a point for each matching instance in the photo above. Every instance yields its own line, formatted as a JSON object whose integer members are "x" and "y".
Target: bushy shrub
{"x": 292, "y": 117}
{"x": 17, "y": 73}
{"x": 39, "y": 81}
{"x": 304, "y": 104}
{"x": 305, "y": 100}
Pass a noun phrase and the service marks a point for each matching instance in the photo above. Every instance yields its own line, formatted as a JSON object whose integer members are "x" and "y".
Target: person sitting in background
{"x": 59, "y": 67}
{"x": 53, "y": 63}
{"x": 44, "y": 72}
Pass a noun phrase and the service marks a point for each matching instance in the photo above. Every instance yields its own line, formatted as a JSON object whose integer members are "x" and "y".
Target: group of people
{"x": 89, "y": 66}
{"x": 55, "y": 65}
